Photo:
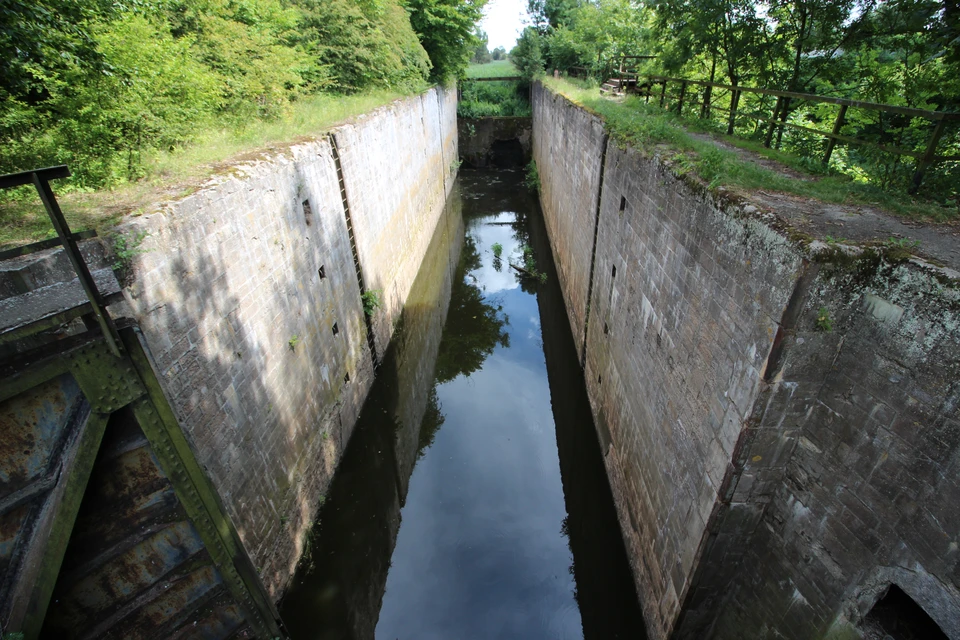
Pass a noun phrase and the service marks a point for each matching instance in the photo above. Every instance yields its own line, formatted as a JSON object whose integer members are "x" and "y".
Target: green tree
{"x": 446, "y": 31}
{"x": 594, "y": 34}
{"x": 95, "y": 84}
{"x": 527, "y": 56}
{"x": 363, "y": 44}
{"x": 481, "y": 55}
{"x": 550, "y": 14}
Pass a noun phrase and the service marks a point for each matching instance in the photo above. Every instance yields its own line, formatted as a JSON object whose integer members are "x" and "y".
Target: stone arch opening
{"x": 897, "y": 616}
{"x": 507, "y": 154}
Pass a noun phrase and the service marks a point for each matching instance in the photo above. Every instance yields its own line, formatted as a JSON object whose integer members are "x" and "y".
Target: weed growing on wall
{"x": 125, "y": 248}
{"x": 824, "y": 323}
{"x": 532, "y": 178}
{"x": 293, "y": 342}
{"x": 372, "y": 301}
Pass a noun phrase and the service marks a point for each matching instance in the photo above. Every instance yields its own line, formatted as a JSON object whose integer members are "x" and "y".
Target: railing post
{"x": 70, "y": 247}
{"x": 784, "y": 110}
{"x": 773, "y": 123}
{"x": 734, "y": 105}
{"x": 705, "y": 107}
{"x": 663, "y": 92}
{"x": 683, "y": 92}
{"x": 831, "y": 142}
{"x": 928, "y": 156}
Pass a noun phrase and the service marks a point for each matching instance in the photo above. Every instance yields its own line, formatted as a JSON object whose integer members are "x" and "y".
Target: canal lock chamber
{"x": 769, "y": 476}
{"x": 472, "y": 499}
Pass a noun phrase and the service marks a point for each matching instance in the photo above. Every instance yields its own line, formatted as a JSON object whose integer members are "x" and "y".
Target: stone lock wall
{"x": 772, "y": 476}
{"x": 478, "y": 136}
{"x": 398, "y": 167}
{"x": 248, "y": 297}
{"x": 568, "y": 147}
{"x": 847, "y": 481}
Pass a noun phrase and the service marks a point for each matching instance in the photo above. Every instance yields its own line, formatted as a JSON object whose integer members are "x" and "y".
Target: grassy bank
{"x": 495, "y": 69}
{"x": 650, "y": 127}
{"x": 173, "y": 173}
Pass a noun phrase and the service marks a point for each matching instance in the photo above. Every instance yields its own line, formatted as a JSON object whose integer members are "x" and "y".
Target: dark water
{"x": 472, "y": 501}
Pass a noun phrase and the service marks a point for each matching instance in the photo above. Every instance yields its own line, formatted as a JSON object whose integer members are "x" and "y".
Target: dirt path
{"x": 852, "y": 224}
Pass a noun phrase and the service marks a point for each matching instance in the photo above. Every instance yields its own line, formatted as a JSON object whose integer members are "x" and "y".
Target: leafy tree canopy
{"x": 446, "y": 31}
{"x": 902, "y": 52}
{"x": 96, "y": 83}
{"x": 527, "y": 56}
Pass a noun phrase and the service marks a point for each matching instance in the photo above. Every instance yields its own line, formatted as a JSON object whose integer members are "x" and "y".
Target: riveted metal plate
{"x": 108, "y": 382}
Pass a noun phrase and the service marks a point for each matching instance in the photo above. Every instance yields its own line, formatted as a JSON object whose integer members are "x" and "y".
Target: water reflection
{"x": 605, "y": 590}
{"x": 475, "y": 325}
{"x": 472, "y": 421}
{"x": 338, "y": 589}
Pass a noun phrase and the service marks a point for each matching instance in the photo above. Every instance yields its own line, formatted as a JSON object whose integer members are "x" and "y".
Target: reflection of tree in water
{"x": 433, "y": 419}
{"x": 474, "y": 326}
{"x": 521, "y": 232}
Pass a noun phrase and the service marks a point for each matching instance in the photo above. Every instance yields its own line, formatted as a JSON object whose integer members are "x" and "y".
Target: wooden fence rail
{"x": 778, "y": 120}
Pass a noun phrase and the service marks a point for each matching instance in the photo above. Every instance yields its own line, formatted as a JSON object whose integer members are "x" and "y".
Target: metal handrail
{"x": 40, "y": 178}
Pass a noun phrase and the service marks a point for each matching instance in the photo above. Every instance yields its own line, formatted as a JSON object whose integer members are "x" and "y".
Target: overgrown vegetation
{"x": 648, "y": 127}
{"x": 900, "y": 52}
{"x": 487, "y": 99}
{"x": 109, "y": 87}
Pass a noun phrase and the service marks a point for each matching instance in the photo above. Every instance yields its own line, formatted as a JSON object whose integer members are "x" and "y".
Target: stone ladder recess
{"x": 371, "y": 342}
{"x": 593, "y": 251}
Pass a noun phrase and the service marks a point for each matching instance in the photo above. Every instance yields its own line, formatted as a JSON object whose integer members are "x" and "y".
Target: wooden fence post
{"x": 663, "y": 92}
{"x": 784, "y": 110}
{"x": 831, "y": 142}
{"x": 773, "y": 123}
{"x": 734, "y": 105}
{"x": 927, "y": 159}
{"x": 683, "y": 92}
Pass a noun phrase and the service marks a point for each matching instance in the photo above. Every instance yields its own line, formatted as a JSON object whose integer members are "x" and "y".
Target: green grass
{"x": 495, "y": 69}
{"x": 649, "y": 127}
{"x": 176, "y": 173}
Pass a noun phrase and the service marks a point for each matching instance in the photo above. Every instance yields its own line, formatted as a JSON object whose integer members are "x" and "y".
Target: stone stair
{"x": 611, "y": 87}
